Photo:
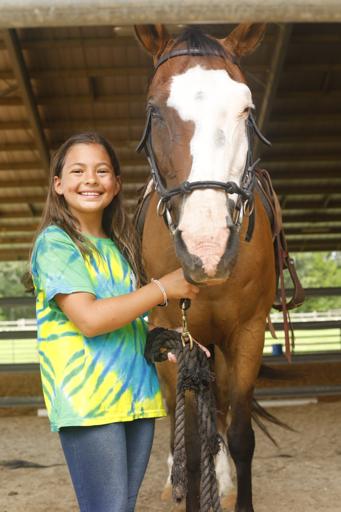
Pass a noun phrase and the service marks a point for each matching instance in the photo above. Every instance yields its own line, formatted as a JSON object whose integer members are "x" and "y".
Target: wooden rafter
{"x": 278, "y": 57}
{"x": 23, "y": 80}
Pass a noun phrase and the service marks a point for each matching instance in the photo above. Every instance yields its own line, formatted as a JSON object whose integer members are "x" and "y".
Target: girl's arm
{"x": 98, "y": 316}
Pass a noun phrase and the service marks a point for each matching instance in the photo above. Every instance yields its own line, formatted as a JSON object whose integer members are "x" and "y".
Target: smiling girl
{"x": 101, "y": 394}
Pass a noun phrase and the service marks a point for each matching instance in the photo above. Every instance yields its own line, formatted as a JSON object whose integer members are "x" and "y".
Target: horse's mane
{"x": 194, "y": 37}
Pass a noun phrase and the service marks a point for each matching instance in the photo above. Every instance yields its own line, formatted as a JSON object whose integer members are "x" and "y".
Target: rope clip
{"x": 186, "y": 336}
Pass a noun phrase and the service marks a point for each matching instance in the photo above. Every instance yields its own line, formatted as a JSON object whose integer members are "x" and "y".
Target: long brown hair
{"x": 115, "y": 222}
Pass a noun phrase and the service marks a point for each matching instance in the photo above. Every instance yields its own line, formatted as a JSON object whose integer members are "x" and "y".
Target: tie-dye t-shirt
{"x": 89, "y": 380}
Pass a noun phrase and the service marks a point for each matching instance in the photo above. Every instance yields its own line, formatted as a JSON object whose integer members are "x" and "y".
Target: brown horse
{"x": 198, "y": 141}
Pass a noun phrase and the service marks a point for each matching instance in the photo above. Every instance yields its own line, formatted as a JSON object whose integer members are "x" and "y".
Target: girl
{"x": 101, "y": 394}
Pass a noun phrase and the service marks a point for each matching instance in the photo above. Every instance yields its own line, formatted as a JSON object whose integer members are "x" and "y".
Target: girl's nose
{"x": 91, "y": 177}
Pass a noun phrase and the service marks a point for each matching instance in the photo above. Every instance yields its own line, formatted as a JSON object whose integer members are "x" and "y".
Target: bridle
{"x": 244, "y": 203}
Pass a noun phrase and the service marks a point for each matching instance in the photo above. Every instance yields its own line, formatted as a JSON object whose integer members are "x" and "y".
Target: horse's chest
{"x": 213, "y": 321}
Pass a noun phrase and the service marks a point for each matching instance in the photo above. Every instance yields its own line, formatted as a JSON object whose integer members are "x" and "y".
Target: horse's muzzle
{"x": 208, "y": 265}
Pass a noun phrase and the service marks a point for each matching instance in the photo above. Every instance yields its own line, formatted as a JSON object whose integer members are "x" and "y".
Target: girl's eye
{"x": 77, "y": 171}
{"x": 103, "y": 171}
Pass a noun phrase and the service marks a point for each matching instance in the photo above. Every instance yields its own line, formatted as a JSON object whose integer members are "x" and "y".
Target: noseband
{"x": 244, "y": 204}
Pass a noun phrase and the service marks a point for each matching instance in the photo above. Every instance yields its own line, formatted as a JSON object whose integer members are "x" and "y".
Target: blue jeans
{"x": 107, "y": 463}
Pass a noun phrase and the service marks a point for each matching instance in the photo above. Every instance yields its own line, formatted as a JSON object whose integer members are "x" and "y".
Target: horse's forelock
{"x": 195, "y": 38}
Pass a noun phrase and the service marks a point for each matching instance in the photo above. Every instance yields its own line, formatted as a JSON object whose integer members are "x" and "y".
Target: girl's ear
{"x": 57, "y": 183}
{"x": 118, "y": 185}
{"x": 153, "y": 38}
{"x": 244, "y": 39}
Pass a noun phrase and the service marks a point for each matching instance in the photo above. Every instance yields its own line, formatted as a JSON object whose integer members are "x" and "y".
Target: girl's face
{"x": 87, "y": 182}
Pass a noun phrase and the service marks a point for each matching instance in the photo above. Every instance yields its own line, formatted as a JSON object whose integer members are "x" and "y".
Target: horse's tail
{"x": 258, "y": 412}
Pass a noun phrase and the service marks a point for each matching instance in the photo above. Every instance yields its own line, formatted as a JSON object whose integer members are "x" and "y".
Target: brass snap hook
{"x": 186, "y": 336}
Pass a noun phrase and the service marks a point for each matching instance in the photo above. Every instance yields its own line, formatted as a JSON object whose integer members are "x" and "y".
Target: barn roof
{"x": 58, "y": 81}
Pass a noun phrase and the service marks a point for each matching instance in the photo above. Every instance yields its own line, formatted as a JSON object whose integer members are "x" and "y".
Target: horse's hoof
{"x": 228, "y": 502}
{"x": 166, "y": 494}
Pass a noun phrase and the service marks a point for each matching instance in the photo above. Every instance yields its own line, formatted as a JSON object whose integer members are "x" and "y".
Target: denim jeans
{"x": 107, "y": 463}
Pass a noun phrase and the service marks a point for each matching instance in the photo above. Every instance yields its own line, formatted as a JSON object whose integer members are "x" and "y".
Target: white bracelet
{"x": 162, "y": 290}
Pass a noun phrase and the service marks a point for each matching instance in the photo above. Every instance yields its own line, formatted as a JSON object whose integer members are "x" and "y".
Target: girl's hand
{"x": 172, "y": 357}
{"x": 177, "y": 287}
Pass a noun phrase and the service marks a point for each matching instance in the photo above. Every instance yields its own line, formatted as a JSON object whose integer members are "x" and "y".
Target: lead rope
{"x": 194, "y": 374}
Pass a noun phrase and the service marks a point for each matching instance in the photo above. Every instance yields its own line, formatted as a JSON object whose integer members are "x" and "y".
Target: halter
{"x": 244, "y": 203}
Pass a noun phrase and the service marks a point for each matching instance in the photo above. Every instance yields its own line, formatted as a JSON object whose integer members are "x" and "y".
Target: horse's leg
{"x": 222, "y": 461}
{"x": 241, "y": 439}
{"x": 223, "y": 472}
{"x": 241, "y": 443}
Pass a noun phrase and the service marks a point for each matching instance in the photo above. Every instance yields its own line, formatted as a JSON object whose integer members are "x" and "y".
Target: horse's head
{"x": 197, "y": 139}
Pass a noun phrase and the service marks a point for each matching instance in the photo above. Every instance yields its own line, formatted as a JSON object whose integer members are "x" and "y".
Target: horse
{"x": 205, "y": 213}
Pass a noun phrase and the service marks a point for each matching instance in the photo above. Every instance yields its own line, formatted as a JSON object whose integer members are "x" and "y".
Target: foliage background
{"x": 11, "y": 274}
{"x": 319, "y": 269}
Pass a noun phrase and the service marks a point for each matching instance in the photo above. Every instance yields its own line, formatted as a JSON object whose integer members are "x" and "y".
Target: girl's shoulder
{"x": 53, "y": 233}
{"x": 52, "y": 237}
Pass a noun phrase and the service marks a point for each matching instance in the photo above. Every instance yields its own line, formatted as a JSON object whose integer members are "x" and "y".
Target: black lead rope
{"x": 194, "y": 374}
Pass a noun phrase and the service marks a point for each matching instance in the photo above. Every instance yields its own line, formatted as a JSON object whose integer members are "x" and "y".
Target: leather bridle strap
{"x": 194, "y": 52}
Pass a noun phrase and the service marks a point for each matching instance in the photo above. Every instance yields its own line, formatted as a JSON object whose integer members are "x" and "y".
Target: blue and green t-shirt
{"x": 89, "y": 380}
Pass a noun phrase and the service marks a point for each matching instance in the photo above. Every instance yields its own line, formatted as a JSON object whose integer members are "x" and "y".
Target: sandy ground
{"x": 302, "y": 475}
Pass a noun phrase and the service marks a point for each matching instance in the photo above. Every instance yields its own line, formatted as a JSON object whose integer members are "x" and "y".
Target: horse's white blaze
{"x": 215, "y": 104}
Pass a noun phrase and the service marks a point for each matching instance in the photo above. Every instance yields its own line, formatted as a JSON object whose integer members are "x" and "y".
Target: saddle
{"x": 283, "y": 261}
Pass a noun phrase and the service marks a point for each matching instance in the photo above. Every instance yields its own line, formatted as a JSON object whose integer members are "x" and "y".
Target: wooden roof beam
{"x": 39, "y": 13}
{"x": 277, "y": 61}
{"x": 129, "y": 144}
{"x": 18, "y": 63}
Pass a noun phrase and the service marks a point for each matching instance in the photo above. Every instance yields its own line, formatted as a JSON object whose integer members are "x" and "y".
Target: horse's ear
{"x": 152, "y": 37}
{"x": 245, "y": 38}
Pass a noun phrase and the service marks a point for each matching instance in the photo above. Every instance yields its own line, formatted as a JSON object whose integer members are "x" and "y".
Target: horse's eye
{"x": 156, "y": 114}
{"x": 248, "y": 109}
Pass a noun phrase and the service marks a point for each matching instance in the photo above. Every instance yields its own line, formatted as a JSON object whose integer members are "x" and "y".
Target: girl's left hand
{"x": 172, "y": 357}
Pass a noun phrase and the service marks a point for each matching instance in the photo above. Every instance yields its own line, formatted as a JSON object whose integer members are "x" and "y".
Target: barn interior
{"x": 57, "y": 81}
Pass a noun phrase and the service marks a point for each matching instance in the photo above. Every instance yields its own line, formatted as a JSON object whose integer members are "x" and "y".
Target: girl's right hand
{"x": 177, "y": 287}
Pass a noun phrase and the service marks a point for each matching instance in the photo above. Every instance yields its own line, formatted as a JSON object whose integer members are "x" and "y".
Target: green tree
{"x": 11, "y": 273}
{"x": 319, "y": 270}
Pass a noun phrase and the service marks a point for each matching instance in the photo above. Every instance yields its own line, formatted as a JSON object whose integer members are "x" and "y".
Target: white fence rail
{"x": 314, "y": 332}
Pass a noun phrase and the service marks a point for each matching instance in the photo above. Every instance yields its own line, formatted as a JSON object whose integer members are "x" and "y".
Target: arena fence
{"x": 315, "y": 333}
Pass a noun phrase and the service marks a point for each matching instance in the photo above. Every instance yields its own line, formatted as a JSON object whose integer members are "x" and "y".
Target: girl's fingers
{"x": 204, "y": 349}
{"x": 171, "y": 357}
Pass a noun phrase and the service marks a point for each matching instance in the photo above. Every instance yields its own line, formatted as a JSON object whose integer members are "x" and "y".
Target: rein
{"x": 244, "y": 204}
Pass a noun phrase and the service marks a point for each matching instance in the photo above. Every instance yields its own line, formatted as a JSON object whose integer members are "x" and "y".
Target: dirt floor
{"x": 302, "y": 475}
